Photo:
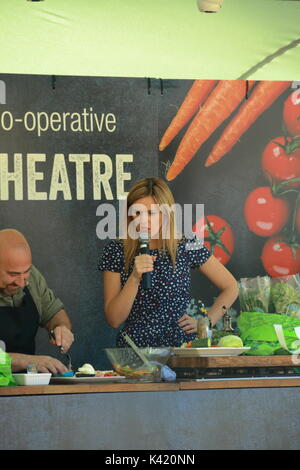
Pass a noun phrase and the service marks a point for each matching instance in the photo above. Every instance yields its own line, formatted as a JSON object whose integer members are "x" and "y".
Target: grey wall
{"x": 238, "y": 419}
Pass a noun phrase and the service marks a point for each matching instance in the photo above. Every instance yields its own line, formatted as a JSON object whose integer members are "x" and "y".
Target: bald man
{"x": 26, "y": 303}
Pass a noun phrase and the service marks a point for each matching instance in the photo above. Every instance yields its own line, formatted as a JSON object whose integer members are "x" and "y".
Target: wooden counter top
{"x": 200, "y": 384}
{"x": 179, "y": 385}
{"x": 107, "y": 387}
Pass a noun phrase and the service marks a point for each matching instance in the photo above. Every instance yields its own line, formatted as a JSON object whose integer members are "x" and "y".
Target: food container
{"x": 32, "y": 379}
{"x": 127, "y": 363}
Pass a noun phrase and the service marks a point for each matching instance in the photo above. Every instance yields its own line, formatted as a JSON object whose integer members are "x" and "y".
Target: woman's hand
{"x": 143, "y": 264}
{"x": 188, "y": 324}
{"x": 118, "y": 300}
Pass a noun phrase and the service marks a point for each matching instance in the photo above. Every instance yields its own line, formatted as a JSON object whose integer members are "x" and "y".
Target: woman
{"x": 156, "y": 316}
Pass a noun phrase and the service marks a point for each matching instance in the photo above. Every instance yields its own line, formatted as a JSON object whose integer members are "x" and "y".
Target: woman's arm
{"x": 225, "y": 282}
{"x": 118, "y": 301}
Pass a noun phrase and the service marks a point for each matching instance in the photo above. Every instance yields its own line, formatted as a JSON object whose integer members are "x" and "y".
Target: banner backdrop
{"x": 251, "y": 194}
{"x": 66, "y": 148}
{"x": 68, "y": 145}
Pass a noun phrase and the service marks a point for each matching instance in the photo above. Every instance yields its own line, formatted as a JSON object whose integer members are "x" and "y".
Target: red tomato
{"x": 218, "y": 236}
{"x": 265, "y": 214}
{"x": 280, "y": 259}
{"x": 281, "y": 160}
{"x": 291, "y": 113}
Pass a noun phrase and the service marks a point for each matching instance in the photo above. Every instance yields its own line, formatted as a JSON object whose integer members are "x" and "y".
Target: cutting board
{"x": 236, "y": 361}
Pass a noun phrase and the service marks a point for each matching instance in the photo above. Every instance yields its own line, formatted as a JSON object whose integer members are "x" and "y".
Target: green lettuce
{"x": 285, "y": 299}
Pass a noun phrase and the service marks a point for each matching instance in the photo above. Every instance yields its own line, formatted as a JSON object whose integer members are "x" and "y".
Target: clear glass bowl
{"x": 127, "y": 363}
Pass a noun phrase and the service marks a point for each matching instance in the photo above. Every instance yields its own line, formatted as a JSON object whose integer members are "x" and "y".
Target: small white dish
{"x": 32, "y": 379}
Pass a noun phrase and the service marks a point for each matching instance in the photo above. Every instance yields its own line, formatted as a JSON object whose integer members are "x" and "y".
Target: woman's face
{"x": 145, "y": 217}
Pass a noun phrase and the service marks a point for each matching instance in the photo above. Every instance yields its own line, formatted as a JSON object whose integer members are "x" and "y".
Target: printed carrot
{"x": 261, "y": 99}
{"x": 196, "y": 95}
{"x": 222, "y": 101}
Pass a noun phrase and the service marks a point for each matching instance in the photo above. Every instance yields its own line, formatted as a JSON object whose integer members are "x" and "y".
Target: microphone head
{"x": 144, "y": 237}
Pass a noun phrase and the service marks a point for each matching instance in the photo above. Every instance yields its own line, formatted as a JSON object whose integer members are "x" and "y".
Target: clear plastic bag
{"x": 259, "y": 332}
{"x": 6, "y": 377}
{"x": 254, "y": 294}
{"x": 285, "y": 295}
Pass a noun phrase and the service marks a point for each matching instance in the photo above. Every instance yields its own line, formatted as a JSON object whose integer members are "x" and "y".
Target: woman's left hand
{"x": 188, "y": 324}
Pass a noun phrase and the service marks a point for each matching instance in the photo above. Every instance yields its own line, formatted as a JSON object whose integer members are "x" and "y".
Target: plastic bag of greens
{"x": 6, "y": 377}
{"x": 254, "y": 294}
{"x": 260, "y": 332}
{"x": 285, "y": 295}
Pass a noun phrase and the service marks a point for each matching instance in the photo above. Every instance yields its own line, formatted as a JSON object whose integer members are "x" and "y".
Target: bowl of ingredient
{"x": 128, "y": 363}
{"x": 32, "y": 379}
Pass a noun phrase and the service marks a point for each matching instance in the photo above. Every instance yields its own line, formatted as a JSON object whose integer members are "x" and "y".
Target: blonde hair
{"x": 161, "y": 193}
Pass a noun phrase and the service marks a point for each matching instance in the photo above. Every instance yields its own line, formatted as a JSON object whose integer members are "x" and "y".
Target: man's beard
{"x": 4, "y": 290}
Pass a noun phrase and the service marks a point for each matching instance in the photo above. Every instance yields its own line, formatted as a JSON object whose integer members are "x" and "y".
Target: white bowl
{"x": 32, "y": 379}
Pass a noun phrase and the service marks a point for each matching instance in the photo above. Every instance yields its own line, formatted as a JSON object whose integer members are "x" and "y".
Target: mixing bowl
{"x": 126, "y": 362}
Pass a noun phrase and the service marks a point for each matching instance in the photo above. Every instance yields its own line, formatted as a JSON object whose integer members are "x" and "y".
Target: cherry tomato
{"x": 279, "y": 258}
{"x": 291, "y": 113}
{"x": 281, "y": 160}
{"x": 218, "y": 236}
{"x": 265, "y": 214}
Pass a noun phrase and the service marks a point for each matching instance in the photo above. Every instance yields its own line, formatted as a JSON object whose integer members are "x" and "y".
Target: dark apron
{"x": 19, "y": 325}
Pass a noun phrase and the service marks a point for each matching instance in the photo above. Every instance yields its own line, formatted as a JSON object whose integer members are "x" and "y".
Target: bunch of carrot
{"x": 211, "y": 103}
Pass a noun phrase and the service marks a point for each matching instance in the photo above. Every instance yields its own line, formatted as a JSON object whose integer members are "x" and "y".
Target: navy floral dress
{"x": 155, "y": 311}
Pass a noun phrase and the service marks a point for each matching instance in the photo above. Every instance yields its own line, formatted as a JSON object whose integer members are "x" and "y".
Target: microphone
{"x": 144, "y": 250}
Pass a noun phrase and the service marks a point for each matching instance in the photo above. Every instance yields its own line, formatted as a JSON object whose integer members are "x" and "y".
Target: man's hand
{"x": 49, "y": 364}
{"x": 63, "y": 337}
{"x": 42, "y": 363}
{"x": 60, "y": 329}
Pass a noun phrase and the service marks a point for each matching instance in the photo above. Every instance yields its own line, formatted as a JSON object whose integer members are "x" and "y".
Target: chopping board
{"x": 236, "y": 361}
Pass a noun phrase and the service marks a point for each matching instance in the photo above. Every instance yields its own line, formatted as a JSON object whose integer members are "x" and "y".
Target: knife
{"x": 62, "y": 351}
